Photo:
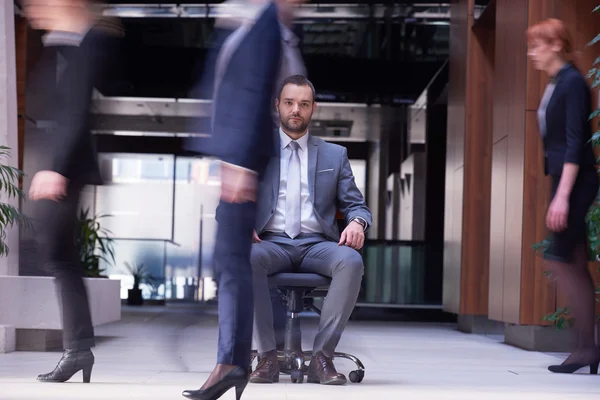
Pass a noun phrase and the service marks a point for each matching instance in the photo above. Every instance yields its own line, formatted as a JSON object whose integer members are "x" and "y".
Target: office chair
{"x": 295, "y": 288}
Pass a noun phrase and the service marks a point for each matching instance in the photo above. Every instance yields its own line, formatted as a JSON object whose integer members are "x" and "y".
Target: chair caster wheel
{"x": 357, "y": 376}
{"x": 297, "y": 376}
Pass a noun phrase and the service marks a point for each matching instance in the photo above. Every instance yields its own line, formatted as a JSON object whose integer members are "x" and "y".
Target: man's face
{"x": 295, "y": 107}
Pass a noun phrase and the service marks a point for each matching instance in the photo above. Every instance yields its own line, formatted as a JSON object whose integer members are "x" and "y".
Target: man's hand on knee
{"x": 353, "y": 236}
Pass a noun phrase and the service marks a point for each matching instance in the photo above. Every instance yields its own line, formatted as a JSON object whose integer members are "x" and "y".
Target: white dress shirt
{"x": 309, "y": 223}
{"x": 60, "y": 38}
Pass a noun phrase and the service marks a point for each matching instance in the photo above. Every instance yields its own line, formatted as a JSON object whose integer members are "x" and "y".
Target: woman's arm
{"x": 567, "y": 180}
{"x": 577, "y": 127}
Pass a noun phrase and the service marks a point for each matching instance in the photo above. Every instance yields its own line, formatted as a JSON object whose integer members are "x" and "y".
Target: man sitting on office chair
{"x": 302, "y": 189}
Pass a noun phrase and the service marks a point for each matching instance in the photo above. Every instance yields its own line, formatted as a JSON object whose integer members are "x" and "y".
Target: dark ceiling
{"x": 361, "y": 60}
{"x": 365, "y": 2}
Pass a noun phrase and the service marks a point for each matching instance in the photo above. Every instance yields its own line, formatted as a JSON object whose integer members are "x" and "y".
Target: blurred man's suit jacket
{"x": 245, "y": 75}
{"x": 57, "y": 127}
{"x": 59, "y": 100}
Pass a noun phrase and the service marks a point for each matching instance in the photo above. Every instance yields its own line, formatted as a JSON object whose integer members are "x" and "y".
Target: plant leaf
{"x": 594, "y": 40}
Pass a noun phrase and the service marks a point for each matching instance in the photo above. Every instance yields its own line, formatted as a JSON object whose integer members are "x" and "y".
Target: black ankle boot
{"x": 570, "y": 368}
{"x": 71, "y": 362}
{"x": 580, "y": 362}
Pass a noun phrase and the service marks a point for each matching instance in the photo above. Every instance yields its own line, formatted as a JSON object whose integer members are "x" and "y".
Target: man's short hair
{"x": 298, "y": 80}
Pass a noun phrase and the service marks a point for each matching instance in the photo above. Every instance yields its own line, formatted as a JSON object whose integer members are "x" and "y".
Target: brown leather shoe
{"x": 321, "y": 370}
{"x": 267, "y": 370}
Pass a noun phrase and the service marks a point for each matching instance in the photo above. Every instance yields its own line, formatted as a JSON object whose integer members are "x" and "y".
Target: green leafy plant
{"x": 9, "y": 189}
{"x": 140, "y": 275}
{"x": 542, "y": 246}
{"x": 94, "y": 243}
{"x": 592, "y": 220}
{"x": 560, "y": 318}
{"x": 593, "y": 216}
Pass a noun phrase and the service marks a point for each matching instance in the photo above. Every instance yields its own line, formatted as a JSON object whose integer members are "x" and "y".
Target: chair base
{"x": 295, "y": 364}
{"x": 293, "y": 361}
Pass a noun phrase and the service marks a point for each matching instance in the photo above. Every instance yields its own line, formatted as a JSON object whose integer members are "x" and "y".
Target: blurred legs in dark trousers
{"x": 234, "y": 275}
{"x": 56, "y": 226}
{"x": 56, "y": 230}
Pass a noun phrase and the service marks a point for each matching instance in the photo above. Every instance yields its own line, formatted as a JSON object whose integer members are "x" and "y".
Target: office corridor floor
{"x": 156, "y": 352}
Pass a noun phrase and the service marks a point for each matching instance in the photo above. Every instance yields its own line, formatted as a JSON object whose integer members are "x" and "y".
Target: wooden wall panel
{"x": 509, "y": 122}
{"x": 515, "y": 64}
{"x": 497, "y": 230}
{"x": 457, "y": 82}
{"x": 451, "y": 272}
{"x": 501, "y": 77}
{"x": 455, "y": 153}
{"x": 499, "y": 171}
{"x": 538, "y": 295}
{"x": 452, "y": 290}
{"x": 468, "y": 171}
{"x": 478, "y": 165}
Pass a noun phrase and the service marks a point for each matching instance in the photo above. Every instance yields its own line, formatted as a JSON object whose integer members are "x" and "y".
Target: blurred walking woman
{"x": 73, "y": 61}
{"x": 565, "y": 129}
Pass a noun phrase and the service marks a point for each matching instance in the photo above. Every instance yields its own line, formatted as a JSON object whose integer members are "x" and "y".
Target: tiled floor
{"x": 155, "y": 353}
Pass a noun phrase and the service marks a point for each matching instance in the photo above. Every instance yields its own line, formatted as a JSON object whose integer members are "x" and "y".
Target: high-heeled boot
{"x": 581, "y": 359}
{"x": 237, "y": 378}
{"x": 72, "y": 361}
{"x": 570, "y": 368}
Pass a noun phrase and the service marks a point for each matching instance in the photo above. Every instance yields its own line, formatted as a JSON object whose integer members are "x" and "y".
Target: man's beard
{"x": 299, "y": 129}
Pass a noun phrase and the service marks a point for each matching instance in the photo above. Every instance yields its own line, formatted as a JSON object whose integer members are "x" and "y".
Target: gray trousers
{"x": 307, "y": 253}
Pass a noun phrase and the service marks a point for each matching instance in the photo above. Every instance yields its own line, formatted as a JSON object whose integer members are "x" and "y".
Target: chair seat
{"x": 299, "y": 279}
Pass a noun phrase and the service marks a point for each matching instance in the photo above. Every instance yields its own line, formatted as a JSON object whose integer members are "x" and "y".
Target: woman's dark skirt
{"x": 563, "y": 244}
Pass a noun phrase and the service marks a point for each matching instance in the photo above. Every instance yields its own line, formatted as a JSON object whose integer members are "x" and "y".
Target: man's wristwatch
{"x": 360, "y": 221}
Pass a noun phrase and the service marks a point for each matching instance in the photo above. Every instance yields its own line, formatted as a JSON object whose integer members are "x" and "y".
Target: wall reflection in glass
{"x": 162, "y": 216}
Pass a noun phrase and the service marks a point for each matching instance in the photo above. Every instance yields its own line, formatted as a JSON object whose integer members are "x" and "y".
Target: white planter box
{"x": 30, "y": 302}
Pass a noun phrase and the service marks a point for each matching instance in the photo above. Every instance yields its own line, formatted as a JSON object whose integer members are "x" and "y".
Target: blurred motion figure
{"x": 246, "y": 70}
{"x": 78, "y": 45}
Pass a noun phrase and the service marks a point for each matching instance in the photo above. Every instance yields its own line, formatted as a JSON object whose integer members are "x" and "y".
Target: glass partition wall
{"x": 160, "y": 211}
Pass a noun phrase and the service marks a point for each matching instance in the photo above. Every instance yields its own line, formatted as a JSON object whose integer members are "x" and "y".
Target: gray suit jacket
{"x": 331, "y": 184}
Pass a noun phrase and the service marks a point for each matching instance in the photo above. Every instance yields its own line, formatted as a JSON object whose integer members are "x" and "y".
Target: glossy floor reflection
{"x": 156, "y": 352}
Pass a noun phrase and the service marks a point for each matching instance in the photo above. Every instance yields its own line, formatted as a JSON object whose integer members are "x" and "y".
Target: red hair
{"x": 552, "y": 31}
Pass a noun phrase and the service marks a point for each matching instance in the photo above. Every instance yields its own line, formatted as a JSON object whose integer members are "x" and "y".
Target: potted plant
{"x": 9, "y": 187}
{"x": 94, "y": 244}
{"x": 140, "y": 276}
{"x": 593, "y": 217}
